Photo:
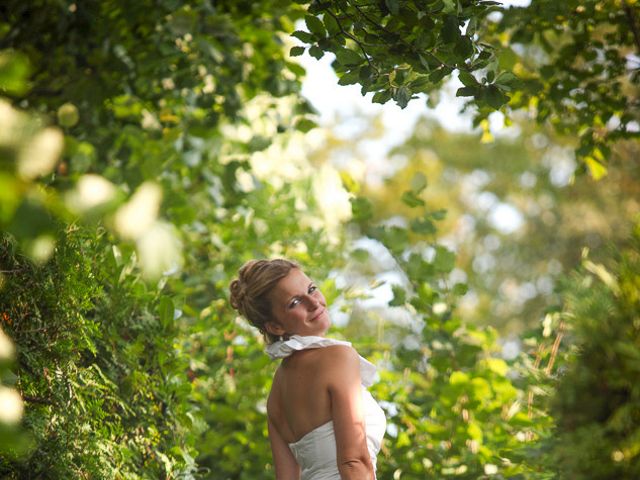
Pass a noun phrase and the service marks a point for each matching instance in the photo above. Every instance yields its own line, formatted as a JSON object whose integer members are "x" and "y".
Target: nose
{"x": 312, "y": 302}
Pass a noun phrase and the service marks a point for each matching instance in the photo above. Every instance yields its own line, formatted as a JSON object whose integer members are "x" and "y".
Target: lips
{"x": 315, "y": 317}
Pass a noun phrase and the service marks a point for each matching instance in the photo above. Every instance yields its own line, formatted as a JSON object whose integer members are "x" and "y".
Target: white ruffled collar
{"x": 284, "y": 348}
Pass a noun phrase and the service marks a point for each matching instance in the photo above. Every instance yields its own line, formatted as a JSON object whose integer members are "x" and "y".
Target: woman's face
{"x": 298, "y": 307}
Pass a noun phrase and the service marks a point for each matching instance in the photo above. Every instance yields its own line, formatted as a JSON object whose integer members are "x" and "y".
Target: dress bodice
{"x": 316, "y": 451}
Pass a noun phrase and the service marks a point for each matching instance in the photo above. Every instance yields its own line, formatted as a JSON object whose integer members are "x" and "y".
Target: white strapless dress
{"x": 316, "y": 451}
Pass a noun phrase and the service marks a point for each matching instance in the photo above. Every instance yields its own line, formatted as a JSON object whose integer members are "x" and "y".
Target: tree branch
{"x": 633, "y": 24}
{"x": 554, "y": 349}
{"x": 407, "y": 45}
{"x": 42, "y": 401}
{"x": 347, "y": 34}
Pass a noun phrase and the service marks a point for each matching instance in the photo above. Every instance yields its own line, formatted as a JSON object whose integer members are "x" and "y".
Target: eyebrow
{"x": 295, "y": 296}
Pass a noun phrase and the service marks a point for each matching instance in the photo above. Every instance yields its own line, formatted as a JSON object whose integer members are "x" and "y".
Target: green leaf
{"x": 297, "y": 69}
{"x": 348, "y": 57}
{"x": 507, "y": 58}
{"x": 331, "y": 25}
{"x": 596, "y": 168}
{"x": 496, "y": 365}
{"x": 393, "y": 6}
{"x": 14, "y": 73}
{"x": 460, "y": 289}
{"x": 506, "y": 78}
{"x": 303, "y": 36}
{"x": 463, "y": 48}
{"x": 304, "y": 125}
{"x": 360, "y": 255}
{"x": 438, "y": 214}
{"x": 296, "y": 51}
{"x": 467, "y": 92}
{"x": 361, "y": 208}
{"x": 438, "y": 74}
{"x": 165, "y": 310}
{"x": 423, "y": 226}
{"x": 315, "y": 25}
{"x": 316, "y": 52}
{"x": 459, "y": 378}
{"x": 402, "y": 96}
{"x": 450, "y": 6}
{"x": 428, "y": 62}
{"x": 419, "y": 83}
{"x": 399, "y": 296}
{"x": 450, "y": 30}
{"x": 381, "y": 97}
{"x": 420, "y": 272}
{"x": 395, "y": 238}
{"x": 444, "y": 260}
{"x": 467, "y": 79}
{"x": 349, "y": 78}
{"x": 410, "y": 199}
{"x": 31, "y": 220}
{"x": 258, "y": 143}
{"x": 364, "y": 74}
{"x": 495, "y": 97}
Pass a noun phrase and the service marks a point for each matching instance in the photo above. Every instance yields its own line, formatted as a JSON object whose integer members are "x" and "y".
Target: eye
{"x": 312, "y": 289}
{"x": 294, "y": 302}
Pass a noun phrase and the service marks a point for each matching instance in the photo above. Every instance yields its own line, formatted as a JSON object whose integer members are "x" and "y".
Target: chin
{"x": 325, "y": 329}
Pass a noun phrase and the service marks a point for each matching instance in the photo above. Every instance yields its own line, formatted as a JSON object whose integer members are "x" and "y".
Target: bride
{"x": 323, "y": 423}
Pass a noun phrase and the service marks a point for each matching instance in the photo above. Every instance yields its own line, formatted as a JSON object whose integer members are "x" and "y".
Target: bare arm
{"x": 284, "y": 462}
{"x": 344, "y": 386}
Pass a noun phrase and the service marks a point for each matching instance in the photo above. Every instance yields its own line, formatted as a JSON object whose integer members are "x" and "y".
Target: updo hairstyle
{"x": 250, "y": 291}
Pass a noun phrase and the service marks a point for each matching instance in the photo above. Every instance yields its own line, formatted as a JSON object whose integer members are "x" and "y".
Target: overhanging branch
{"x": 633, "y": 24}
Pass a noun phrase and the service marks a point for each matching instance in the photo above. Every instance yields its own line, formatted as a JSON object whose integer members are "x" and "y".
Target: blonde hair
{"x": 250, "y": 291}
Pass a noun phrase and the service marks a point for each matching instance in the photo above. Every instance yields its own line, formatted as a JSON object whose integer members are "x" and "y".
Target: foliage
{"x": 596, "y": 405}
{"x": 515, "y": 214}
{"x": 150, "y": 83}
{"x": 530, "y": 58}
{"x": 97, "y": 366}
{"x": 152, "y": 95}
{"x": 399, "y": 48}
{"x": 457, "y": 410}
{"x": 578, "y": 63}
{"x": 146, "y": 151}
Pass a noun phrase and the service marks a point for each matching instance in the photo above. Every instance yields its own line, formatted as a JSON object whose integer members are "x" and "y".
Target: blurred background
{"x": 471, "y": 218}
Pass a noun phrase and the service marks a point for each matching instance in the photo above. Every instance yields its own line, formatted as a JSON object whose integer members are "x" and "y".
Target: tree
{"x": 595, "y": 404}
{"x": 571, "y": 64}
{"x": 513, "y": 266}
{"x": 147, "y": 96}
{"x": 153, "y": 126}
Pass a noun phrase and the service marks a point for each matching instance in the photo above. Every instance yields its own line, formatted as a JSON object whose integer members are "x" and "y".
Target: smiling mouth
{"x": 321, "y": 312}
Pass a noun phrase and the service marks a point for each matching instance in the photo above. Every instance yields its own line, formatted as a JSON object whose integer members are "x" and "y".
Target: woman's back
{"x": 321, "y": 408}
{"x": 299, "y": 400}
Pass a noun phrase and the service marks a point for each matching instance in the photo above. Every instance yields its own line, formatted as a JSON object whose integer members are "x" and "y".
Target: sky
{"x": 337, "y": 106}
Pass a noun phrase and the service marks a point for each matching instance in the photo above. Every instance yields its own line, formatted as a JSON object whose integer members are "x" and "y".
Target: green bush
{"x": 596, "y": 405}
{"x": 105, "y": 388}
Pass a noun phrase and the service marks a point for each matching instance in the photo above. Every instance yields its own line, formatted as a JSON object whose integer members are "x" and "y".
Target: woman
{"x": 323, "y": 423}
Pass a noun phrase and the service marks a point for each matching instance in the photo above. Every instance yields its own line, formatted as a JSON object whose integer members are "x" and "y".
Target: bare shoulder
{"x": 340, "y": 354}
{"x": 340, "y": 359}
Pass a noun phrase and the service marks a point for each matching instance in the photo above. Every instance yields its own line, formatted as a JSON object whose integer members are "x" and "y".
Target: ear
{"x": 274, "y": 328}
